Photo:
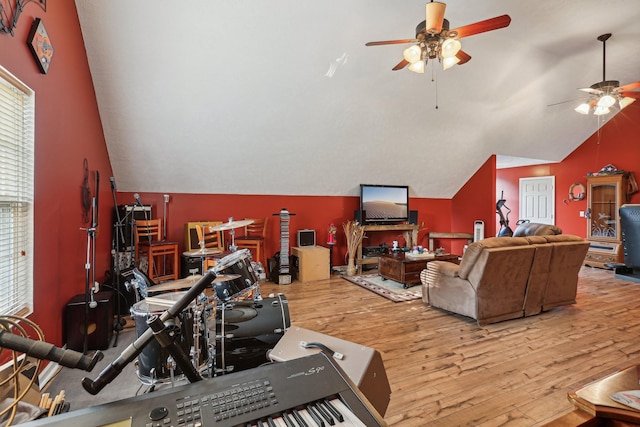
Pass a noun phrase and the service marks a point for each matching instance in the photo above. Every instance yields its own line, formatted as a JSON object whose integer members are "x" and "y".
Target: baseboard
{"x": 47, "y": 374}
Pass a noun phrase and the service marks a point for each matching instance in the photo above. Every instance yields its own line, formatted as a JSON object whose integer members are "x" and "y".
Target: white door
{"x": 537, "y": 199}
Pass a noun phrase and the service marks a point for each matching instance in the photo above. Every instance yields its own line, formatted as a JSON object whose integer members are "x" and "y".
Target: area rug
{"x": 389, "y": 289}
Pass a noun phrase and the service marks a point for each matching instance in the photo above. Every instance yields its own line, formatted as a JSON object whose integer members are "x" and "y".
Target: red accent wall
{"x": 474, "y": 201}
{"x": 617, "y": 143}
{"x": 307, "y": 212}
{"x": 67, "y": 130}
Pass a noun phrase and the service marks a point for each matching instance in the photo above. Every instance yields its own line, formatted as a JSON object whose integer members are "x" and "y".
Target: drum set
{"x": 229, "y": 327}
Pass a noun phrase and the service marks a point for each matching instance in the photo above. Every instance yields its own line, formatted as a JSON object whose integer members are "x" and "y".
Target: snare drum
{"x": 155, "y": 358}
{"x": 237, "y": 263}
{"x": 246, "y": 330}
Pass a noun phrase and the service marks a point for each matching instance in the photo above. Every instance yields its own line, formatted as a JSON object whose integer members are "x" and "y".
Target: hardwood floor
{"x": 445, "y": 370}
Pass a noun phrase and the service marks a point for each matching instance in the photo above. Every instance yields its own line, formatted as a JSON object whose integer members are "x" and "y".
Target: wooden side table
{"x": 314, "y": 262}
{"x": 405, "y": 270}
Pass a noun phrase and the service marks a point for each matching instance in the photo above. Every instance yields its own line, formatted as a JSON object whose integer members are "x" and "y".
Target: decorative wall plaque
{"x": 40, "y": 45}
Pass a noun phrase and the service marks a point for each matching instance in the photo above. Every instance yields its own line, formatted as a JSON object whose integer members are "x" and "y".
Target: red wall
{"x": 67, "y": 130}
{"x": 474, "y": 201}
{"x": 617, "y": 143}
{"x": 308, "y": 212}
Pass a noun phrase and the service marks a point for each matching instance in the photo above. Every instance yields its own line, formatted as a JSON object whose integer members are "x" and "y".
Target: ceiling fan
{"x": 434, "y": 40}
{"x": 606, "y": 93}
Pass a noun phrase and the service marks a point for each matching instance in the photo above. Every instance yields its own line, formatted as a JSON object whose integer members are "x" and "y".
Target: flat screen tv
{"x": 384, "y": 204}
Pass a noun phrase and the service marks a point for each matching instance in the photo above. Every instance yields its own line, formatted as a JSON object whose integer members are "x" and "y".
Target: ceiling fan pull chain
{"x": 433, "y": 79}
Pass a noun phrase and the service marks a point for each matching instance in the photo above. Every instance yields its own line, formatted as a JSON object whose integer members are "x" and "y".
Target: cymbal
{"x": 231, "y": 225}
{"x": 188, "y": 282}
{"x": 202, "y": 252}
{"x": 225, "y": 278}
{"x": 185, "y": 283}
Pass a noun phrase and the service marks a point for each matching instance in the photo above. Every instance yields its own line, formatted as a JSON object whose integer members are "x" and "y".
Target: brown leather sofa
{"x": 503, "y": 278}
{"x": 536, "y": 229}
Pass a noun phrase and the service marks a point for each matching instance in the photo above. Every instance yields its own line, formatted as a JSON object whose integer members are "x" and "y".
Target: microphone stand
{"x": 135, "y": 348}
{"x": 89, "y": 265}
{"x": 118, "y": 236}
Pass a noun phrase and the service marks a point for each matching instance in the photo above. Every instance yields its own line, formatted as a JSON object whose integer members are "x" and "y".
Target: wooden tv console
{"x": 360, "y": 261}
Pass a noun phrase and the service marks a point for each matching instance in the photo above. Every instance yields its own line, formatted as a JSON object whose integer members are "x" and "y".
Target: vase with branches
{"x": 354, "y": 233}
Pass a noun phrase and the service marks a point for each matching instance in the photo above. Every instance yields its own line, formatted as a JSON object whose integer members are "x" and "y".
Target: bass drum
{"x": 153, "y": 365}
{"x": 246, "y": 330}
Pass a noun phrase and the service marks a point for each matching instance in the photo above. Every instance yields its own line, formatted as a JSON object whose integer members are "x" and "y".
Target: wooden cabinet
{"x": 605, "y": 195}
{"x": 360, "y": 261}
{"x": 406, "y": 270}
{"x": 313, "y": 262}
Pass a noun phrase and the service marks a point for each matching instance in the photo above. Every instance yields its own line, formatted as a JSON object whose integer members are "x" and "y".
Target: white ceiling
{"x": 283, "y": 97}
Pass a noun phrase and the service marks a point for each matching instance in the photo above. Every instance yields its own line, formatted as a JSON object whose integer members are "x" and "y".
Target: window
{"x": 17, "y": 108}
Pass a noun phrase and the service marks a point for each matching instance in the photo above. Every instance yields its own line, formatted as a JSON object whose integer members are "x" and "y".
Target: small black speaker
{"x": 189, "y": 266}
{"x": 413, "y": 217}
{"x": 359, "y": 216}
{"x": 99, "y": 322}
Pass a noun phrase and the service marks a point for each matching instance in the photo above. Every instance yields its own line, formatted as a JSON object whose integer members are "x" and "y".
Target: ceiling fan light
{"x": 449, "y": 62}
{"x": 417, "y": 67}
{"x": 599, "y": 111}
{"x": 626, "y": 101}
{"x": 606, "y": 101}
{"x": 413, "y": 54}
{"x": 435, "y": 17}
{"x": 450, "y": 47}
{"x": 583, "y": 108}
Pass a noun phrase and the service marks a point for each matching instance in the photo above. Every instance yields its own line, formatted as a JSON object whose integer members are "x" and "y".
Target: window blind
{"x": 17, "y": 113}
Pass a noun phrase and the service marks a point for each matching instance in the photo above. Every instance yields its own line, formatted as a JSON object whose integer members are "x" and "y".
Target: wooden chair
{"x": 162, "y": 256}
{"x": 253, "y": 239}
{"x": 212, "y": 240}
{"x": 208, "y": 238}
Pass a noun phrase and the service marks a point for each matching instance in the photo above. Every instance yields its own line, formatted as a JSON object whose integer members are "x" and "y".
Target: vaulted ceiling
{"x": 283, "y": 97}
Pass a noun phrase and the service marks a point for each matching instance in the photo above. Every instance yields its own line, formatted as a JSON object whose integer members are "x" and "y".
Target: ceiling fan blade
{"x": 563, "y": 102}
{"x": 401, "y": 65}
{"x": 631, "y": 94}
{"x": 630, "y": 86}
{"x": 391, "y": 42}
{"x": 591, "y": 90}
{"x": 483, "y": 26}
{"x": 463, "y": 56}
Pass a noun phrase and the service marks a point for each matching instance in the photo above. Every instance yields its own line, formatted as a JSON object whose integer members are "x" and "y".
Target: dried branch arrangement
{"x": 354, "y": 233}
{"x": 411, "y": 237}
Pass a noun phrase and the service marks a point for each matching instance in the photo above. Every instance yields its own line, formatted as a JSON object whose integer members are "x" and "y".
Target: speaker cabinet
{"x": 128, "y": 214}
{"x": 99, "y": 322}
{"x": 359, "y": 216}
{"x": 189, "y": 266}
{"x": 362, "y": 364}
{"x": 413, "y": 217}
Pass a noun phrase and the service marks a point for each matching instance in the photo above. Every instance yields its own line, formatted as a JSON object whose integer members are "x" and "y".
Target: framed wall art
{"x": 40, "y": 45}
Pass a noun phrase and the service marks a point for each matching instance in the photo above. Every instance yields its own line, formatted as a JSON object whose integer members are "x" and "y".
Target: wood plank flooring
{"x": 445, "y": 370}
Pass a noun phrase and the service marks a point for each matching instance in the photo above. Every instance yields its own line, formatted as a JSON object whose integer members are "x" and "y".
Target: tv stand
{"x": 360, "y": 261}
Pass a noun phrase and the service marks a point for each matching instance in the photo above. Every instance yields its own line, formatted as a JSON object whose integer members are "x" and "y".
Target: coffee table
{"x": 405, "y": 270}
